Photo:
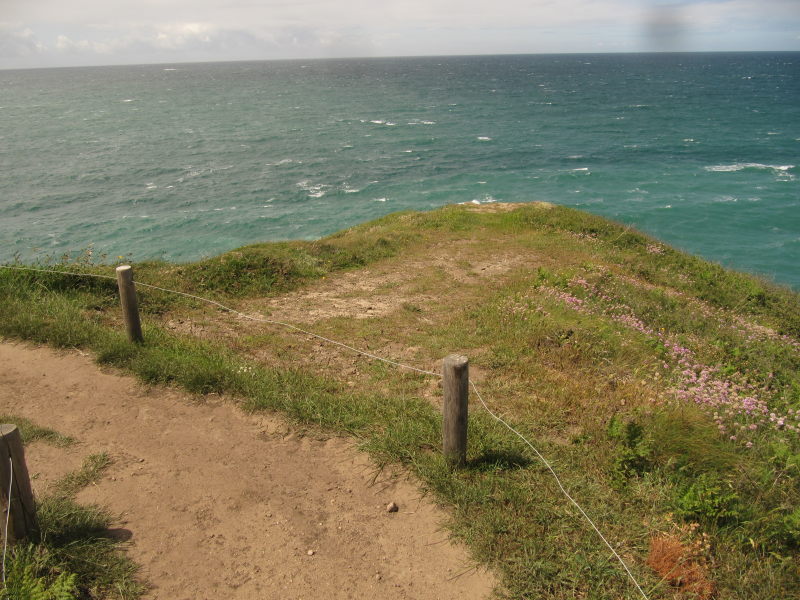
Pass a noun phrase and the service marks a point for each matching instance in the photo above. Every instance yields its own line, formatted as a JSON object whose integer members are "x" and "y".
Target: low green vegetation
{"x": 72, "y": 556}
{"x": 30, "y": 432}
{"x": 664, "y": 389}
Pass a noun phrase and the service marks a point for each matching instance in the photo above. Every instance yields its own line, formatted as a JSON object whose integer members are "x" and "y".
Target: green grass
{"x": 259, "y": 269}
{"x": 30, "y": 432}
{"x": 572, "y": 347}
{"x": 90, "y": 472}
{"x": 72, "y": 556}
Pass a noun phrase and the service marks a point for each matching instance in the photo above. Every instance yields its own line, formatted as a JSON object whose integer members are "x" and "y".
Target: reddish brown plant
{"x": 679, "y": 565}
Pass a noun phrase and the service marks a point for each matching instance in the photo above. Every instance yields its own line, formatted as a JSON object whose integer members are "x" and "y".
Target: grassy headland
{"x": 664, "y": 389}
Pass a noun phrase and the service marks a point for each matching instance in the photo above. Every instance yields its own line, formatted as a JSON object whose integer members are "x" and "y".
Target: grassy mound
{"x": 663, "y": 388}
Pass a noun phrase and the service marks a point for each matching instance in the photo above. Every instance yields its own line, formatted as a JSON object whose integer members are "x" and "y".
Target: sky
{"x": 54, "y": 33}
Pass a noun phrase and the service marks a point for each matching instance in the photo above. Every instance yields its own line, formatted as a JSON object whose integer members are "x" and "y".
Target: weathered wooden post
{"x": 455, "y": 372}
{"x": 130, "y": 307}
{"x": 22, "y": 521}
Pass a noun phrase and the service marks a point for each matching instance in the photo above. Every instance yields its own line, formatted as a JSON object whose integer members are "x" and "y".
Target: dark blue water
{"x": 184, "y": 161}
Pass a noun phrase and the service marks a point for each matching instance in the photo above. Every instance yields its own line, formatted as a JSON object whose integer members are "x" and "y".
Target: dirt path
{"x": 224, "y": 505}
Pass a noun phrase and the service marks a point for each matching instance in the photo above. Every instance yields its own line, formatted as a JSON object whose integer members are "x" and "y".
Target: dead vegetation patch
{"x": 682, "y": 566}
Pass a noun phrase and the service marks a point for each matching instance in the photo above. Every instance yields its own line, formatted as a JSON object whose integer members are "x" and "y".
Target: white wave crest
{"x": 487, "y": 199}
{"x": 314, "y": 190}
{"x": 743, "y": 166}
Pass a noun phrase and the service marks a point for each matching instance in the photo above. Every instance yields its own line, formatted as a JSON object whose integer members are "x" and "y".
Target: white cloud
{"x": 66, "y": 45}
{"x": 16, "y": 42}
{"x": 125, "y": 31}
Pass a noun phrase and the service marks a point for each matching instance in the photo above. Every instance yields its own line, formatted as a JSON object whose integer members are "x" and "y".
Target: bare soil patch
{"x": 383, "y": 288}
{"x": 413, "y": 283}
{"x": 220, "y": 504}
{"x": 498, "y": 207}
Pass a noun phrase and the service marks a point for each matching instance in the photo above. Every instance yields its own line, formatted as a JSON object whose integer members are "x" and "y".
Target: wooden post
{"x": 455, "y": 372}
{"x": 22, "y": 522}
{"x": 130, "y": 307}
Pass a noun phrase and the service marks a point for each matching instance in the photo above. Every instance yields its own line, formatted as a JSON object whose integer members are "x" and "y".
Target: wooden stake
{"x": 130, "y": 307}
{"x": 455, "y": 371}
{"x": 22, "y": 522}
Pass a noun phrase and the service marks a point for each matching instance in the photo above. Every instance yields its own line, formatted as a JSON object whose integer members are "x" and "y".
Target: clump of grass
{"x": 72, "y": 556}
{"x": 76, "y": 538}
{"x": 275, "y": 267}
{"x": 31, "y": 432}
{"x": 90, "y": 472}
{"x": 258, "y": 269}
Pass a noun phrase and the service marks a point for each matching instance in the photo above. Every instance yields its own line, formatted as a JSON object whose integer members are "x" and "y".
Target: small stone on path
{"x": 392, "y": 507}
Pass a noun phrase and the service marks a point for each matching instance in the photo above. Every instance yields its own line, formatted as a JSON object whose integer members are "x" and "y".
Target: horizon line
{"x": 391, "y": 57}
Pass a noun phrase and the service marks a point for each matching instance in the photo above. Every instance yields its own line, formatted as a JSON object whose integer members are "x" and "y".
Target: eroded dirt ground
{"x": 219, "y": 504}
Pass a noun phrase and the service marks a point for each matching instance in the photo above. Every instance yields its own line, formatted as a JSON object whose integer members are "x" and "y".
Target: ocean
{"x": 183, "y": 161}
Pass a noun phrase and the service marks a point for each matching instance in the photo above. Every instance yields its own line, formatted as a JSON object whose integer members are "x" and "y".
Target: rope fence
{"x": 125, "y": 281}
{"x": 8, "y": 514}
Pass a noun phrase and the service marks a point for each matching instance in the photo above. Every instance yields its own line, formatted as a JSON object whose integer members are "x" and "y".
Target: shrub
{"x": 25, "y": 578}
{"x": 707, "y": 499}
{"x": 634, "y": 454}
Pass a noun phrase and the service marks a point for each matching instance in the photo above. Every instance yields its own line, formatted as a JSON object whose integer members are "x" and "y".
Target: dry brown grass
{"x": 681, "y": 566}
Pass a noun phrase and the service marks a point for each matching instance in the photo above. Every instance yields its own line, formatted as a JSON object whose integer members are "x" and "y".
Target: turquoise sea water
{"x": 184, "y": 161}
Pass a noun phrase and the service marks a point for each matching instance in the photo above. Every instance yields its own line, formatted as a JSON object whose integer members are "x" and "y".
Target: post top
{"x": 7, "y": 428}
{"x": 123, "y": 268}
{"x": 456, "y": 360}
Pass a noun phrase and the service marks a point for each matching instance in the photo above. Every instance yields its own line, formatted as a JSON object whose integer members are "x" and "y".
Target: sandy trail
{"x": 219, "y": 504}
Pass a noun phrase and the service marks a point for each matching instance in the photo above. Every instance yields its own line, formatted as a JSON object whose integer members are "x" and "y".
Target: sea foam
{"x": 742, "y": 166}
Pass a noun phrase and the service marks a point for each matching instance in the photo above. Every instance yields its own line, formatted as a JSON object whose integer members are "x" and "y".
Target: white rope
{"x": 241, "y": 314}
{"x": 8, "y": 514}
{"x": 295, "y": 328}
{"x": 563, "y": 490}
{"x": 385, "y": 360}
